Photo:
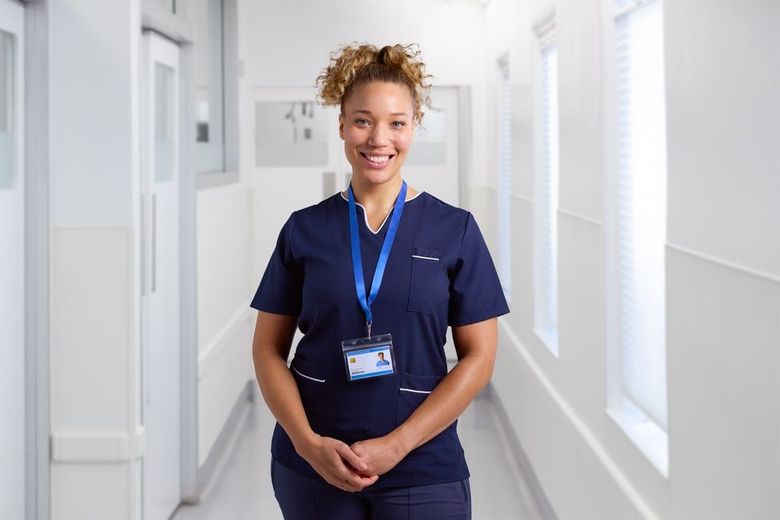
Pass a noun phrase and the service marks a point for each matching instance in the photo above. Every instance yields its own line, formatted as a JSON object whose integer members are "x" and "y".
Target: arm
{"x": 476, "y": 347}
{"x": 270, "y": 348}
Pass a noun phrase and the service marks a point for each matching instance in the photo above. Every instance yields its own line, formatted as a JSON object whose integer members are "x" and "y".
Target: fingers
{"x": 351, "y": 457}
{"x": 339, "y": 458}
{"x": 349, "y": 478}
{"x": 340, "y": 466}
{"x": 351, "y": 482}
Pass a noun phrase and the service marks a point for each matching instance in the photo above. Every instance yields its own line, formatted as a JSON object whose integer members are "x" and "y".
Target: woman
{"x": 356, "y": 438}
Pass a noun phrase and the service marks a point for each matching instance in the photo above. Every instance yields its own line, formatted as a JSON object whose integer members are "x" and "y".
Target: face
{"x": 377, "y": 128}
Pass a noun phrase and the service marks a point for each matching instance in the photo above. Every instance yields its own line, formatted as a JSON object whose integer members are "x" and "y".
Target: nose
{"x": 379, "y": 136}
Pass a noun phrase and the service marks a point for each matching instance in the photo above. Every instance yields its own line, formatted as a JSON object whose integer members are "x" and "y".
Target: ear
{"x": 341, "y": 126}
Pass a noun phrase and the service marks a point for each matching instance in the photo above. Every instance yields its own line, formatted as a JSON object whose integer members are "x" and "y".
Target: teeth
{"x": 378, "y": 158}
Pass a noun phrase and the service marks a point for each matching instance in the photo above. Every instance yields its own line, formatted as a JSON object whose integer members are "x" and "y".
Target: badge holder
{"x": 370, "y": 357}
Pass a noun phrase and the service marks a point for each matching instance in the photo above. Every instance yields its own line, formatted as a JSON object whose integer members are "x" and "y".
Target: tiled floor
{"x": 242, "y": 490}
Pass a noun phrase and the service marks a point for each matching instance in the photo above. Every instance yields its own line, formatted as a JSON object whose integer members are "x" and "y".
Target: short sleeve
{"x": 280, "y": 288}
{"x": 475, "y": 290}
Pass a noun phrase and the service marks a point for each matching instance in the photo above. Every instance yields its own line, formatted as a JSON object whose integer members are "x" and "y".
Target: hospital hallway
{"x": 499, "y": 488}
{"x": 592, "y": 195}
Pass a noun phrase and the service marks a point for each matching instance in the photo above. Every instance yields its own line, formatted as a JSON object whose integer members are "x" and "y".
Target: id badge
{"x": 369, "y": 357}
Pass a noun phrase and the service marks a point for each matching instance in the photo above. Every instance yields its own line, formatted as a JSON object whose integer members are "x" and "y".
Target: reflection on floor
{"x": 242, "y": 489}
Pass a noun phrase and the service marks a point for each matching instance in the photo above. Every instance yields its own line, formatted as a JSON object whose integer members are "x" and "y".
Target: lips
{"x": 377, "y": 160}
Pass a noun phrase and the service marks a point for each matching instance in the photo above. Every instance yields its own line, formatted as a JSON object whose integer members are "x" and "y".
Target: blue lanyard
{"x": 357, "y": 261}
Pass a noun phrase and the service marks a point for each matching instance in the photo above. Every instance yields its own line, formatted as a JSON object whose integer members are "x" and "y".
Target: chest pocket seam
{"x": 427, "y": 270}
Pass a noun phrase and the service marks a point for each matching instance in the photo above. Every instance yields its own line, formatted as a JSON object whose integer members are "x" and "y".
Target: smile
{"x": 377, "y": 159}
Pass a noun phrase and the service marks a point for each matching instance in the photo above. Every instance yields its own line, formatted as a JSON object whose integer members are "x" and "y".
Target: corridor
{"x": 580, "y": 203}
{"x": 242, "y": 488}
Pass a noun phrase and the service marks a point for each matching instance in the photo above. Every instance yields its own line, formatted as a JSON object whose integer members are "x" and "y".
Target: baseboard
{"x": 231, "y": 431}
{"x": 540, "y": 501}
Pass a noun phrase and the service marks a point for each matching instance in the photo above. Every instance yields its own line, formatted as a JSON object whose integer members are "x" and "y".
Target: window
{"x": 7, "y": 126}
{"x": 546, "y": 193}
{"x": 215, "y": 90}
{"x": 208, "y": 82}
{"x": 638, "y": 329}
{"x": 291, "y": 133}
{"x": 504, "y": 139}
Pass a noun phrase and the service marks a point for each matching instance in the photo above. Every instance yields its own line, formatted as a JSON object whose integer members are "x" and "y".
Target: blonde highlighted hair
{"x": 354, "y": 65}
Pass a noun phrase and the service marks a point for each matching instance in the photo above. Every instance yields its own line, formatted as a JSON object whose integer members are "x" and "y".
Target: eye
{"x": 361, "y": 122}
{"x": 399, "y": 124}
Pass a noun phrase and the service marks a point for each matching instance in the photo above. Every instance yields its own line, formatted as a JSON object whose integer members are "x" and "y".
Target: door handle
{"x": 154, "y": 242}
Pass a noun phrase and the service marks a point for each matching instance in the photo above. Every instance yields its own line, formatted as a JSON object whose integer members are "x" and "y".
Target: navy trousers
{"x": 304, "y": 498}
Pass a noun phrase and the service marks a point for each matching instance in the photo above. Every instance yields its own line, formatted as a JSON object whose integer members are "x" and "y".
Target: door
{"x": 12, "y": 270}
{"x": 160, "y": 189}
{"x": 296, "y": 158}
{"x": 299, "y": 154}
{"x": 297, "y": 148}
{"x": 432, "y": 164}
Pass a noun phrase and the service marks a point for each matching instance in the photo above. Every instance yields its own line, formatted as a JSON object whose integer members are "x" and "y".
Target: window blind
{"x": 504, "y": 137}
{"x": 641, "y": 205}
{"x": 547, "y": 203}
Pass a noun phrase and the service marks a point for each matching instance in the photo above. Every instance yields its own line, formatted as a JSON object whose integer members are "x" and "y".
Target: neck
{"x": 376, "y": 195}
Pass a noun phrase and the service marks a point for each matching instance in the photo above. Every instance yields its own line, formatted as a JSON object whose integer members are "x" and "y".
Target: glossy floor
{"x": 242, "y": 489}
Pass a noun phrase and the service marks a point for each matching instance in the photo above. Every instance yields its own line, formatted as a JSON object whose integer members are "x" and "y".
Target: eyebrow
{"x": 369, "y": 112}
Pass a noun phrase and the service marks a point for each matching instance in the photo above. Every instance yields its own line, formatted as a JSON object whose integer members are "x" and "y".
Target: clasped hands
{"x": 352, "y": 468}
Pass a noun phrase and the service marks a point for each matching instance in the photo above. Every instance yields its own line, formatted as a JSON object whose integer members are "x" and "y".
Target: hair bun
{"x": 382, "y": 56}
{"x": 353, "y": 65}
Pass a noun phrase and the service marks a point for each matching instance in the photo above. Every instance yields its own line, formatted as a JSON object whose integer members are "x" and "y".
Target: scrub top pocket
{"x": 414, "y": 389}
{"x": 429, "y": 284}
{"x": 310, "y": 376}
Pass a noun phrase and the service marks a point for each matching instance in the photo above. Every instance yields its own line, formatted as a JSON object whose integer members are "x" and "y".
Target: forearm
{"x": 280, "y": 392}
{"x": 445, "y": 403}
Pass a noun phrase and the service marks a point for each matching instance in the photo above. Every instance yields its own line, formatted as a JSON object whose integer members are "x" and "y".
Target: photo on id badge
{"x": 368, "y": 357}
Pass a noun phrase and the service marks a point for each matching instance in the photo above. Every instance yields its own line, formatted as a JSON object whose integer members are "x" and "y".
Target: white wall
{"x": 723, "y": 257}
{"x": 225, "y": 279}
{"x": 225, "y": 321}
{"x": 94, "y": 291}
{"x": 723, "y": 260}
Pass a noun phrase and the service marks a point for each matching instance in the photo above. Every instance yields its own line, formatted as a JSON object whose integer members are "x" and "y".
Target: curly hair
{"x": 354, "y": 65}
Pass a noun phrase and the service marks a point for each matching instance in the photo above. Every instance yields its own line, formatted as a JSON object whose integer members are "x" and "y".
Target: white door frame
{"x": 161, "y": 341}
{"x": 37, "y": 253}
{"x": 169, "y": 26}
{"x": 34, "y": 157}
{"x": 13, "y": 344}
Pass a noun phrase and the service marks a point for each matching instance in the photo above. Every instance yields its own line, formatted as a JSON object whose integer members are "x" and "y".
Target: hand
{"x": 381, "y": 454}
{"x": 334, "y": 461}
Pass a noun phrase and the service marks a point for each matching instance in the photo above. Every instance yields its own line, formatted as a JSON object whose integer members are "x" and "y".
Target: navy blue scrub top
{"x": 439, "y": 273}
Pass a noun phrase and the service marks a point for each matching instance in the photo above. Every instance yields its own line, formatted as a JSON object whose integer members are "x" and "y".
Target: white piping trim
{"x": 425, "y": 257}
{"x": 415, "y": 391}
{"x": 365, "y": 213}
{"x": 308, "y": 377}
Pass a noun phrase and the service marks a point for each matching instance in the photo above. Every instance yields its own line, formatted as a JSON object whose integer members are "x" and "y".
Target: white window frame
{"x": 646, "y": 432}
{"x": 218, "y": 173}
{"x": 546, "y": 175}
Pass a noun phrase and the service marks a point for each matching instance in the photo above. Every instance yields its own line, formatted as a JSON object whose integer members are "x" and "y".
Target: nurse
{"x": 367, "y": 410}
